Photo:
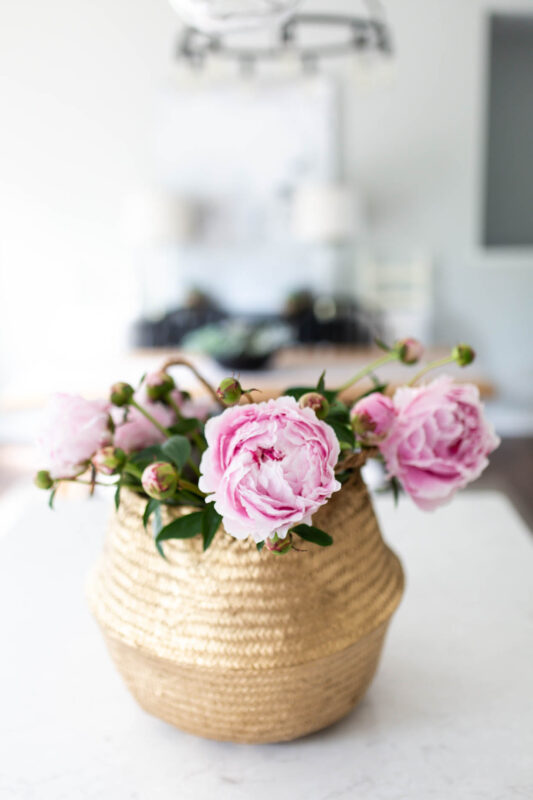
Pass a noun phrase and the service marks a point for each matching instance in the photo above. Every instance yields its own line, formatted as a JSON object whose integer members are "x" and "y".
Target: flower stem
{"x": 190, "y": 487}
{"x": 441, "y": 362}
{"x": 87, "y": 483}
{"x": 174, "y": 406}
{"x": 133, "y": 469}
{"x": 199, "y": 441}
{"x": 178, "y": 361}
{"x": 393, "y": 355}
{"x": 193, "y": 466}
{"x": 151, "y": 419}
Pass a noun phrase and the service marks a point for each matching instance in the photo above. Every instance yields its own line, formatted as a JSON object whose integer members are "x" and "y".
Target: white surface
{"x": 448, "y": 716}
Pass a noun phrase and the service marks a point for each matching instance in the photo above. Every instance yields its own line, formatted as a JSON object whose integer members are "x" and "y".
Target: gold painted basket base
{"x": 251, "y": 706}
{"x": 233, "y": 644}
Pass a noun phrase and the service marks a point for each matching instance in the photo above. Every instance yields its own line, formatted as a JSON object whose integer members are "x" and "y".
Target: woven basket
{"x": 237, "y": 645}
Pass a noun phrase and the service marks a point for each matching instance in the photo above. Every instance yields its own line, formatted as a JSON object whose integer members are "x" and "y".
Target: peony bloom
{"x": 75, "y": 429}
{"x": 439, "y": 441}
{"x": 372, "y": 417}
{"x": 268, "y": 467}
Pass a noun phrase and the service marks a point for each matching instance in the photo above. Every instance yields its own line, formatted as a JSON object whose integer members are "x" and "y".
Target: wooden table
{"x": 301, "y": 366}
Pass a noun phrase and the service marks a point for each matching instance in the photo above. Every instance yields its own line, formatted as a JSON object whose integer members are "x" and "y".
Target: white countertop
{"x": 450, "y": 714}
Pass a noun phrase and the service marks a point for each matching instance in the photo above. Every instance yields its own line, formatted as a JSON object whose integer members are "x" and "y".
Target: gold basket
{"x": 237, "y": 645}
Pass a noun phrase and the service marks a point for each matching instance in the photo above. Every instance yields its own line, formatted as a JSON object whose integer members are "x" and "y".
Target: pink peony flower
{"x": 439, "y": 441}
{"x": 137, "y": 432}
{"x": 372, "y": 417}
{"x": 75, "y": 429}
{"x": 268, "y": 467}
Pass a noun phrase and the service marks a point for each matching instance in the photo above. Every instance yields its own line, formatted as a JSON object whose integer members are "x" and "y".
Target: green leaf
{"x": 145, "y": 457}
{"x": 344, "y": 434}
{"x": 210, "y": 524}
{"x": 339, "y": 411}
{"x": 178, "y": 450}
{"x": 117, "y": 496}
{"x": 51, "y": 498}
{"x": 321, "y": 385}
{"x": 344, "y": 476}
{"x": 186, "y": 425}
{"x": 182, "y": 528}
{"x": 185, "y": 498}
{"x": 396, "y": 489}
{"x": 314, "y": 535}
{"x": 149, "y": 509}
{"x": 259, "y": 546}
{"x": 299, "y": 391}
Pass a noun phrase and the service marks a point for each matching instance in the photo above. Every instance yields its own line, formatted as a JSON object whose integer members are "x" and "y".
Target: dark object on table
{"x": 241, "y": 344}
{"x": 330, "y": 318}
{"x": 199, "y": 310}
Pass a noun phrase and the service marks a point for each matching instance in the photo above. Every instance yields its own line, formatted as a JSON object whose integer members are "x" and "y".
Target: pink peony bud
{"x": 317, "y": 402}
{"x": 230, "y": 391}
{"x": 160, "y": 480}
{"x": 463, "y": 354}
{"x": 278, "y": 546}
{"x": 121, "y": 394}
{"x": 43, "y": 480}
{"x": 409, "y": 350}
{"x": 109, "y": 460}
{"x": 159, "y": 385}
{"x": 372, "y": 417}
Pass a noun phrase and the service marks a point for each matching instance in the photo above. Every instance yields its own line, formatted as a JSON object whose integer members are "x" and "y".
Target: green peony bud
{"x": 159, "y": 385}
{"x": 160, "y": 480}
{"x": 463, "y": 354}
{"x": 277, "y": 545}
{"x": 121, "y": 394}
{"x": 317, "y": 402}
{"x": 410, "y": 351}
{"x": 230, "y": 391}
{"x": 109, "y": 460}
{"x": 43, "y": 480}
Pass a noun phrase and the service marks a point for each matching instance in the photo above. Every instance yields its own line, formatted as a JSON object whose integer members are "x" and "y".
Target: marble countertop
{"x": 450, "y": 714}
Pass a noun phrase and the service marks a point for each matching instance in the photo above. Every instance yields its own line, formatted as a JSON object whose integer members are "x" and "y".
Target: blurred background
{"x": 267, "y": 201}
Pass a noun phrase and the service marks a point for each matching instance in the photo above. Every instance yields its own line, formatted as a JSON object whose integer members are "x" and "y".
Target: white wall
{"x": 77, "y": 83}
{"x": 417, "y": 147}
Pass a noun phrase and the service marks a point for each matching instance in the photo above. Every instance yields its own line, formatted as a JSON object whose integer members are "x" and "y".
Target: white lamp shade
{"x": 225, "y": 16}
{"x": 155, "y": 217}
{"x": 325, "y": 213}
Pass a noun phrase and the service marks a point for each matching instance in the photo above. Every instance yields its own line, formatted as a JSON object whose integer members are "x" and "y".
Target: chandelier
{"x": 226, "y": 29}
